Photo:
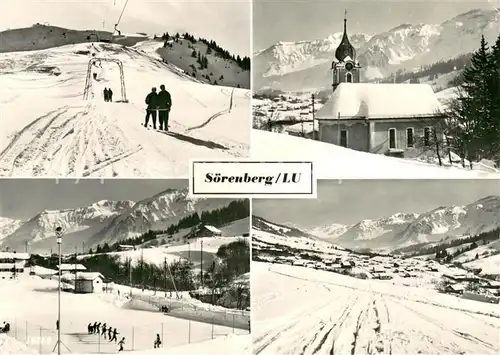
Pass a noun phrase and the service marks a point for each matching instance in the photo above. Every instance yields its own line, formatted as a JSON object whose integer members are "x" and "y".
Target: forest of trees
{"x": 471, "y": 125}
{"x": 234, "y": 211}
{"x": 441, "y": 252}
{"x": 212, "y": 48}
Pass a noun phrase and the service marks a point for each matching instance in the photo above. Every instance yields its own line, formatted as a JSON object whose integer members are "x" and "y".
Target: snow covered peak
{"x": 306, "y": 64}
{"x": 405, "y": 229}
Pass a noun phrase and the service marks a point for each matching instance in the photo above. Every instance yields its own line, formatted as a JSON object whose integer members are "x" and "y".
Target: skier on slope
{"x": 152, "y": 102}
{"x": 103, "y": 333}
{"x": 157, "y": 342}
{"x": 121, "y": 343}
{"x": 115, "y": 333}
{"x": 164, "y": 106}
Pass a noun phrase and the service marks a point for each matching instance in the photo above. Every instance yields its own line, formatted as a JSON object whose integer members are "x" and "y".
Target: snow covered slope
{"x": 302, "y": 310}
{"x": 17, "y": 306}
{"x": 41, "y": 36}
{"x": 306, "y": 65}
{"x": 332, "y": 161}
{"x": 68, "y": 136}
{"x": 105, "y": 221}
{"x": 79, "y": 223}
{"x": 8, "y": 226}
{"x": 156, "y": 212}
{"x": 401, "y": 230}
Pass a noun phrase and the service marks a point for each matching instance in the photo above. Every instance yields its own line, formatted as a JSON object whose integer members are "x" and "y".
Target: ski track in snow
{"x": 93, "y": 138}
{"x": 361, "y": 321}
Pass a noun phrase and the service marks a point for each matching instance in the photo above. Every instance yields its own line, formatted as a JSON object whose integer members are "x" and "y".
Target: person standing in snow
{"x": 57, "y": 324}
{"x": 157, "y": 342}
{"x": 164, "y": 105}
{"x": 103, "y": 333}
{"x": 152, "y": 102}
{"x": 110, "y": 95}
{"x": 110, "y": 333}
{"x": 115, "y": 333}
{"x": 89, "y": 328}
{"x": 121, "y": 344}
{"x": 106, "y": 94}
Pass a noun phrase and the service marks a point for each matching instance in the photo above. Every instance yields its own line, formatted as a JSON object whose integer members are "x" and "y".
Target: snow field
{"x": 30, "y": 305}
{"x": 316, "y": 312}
{"x": 60, "y": 134}
{"x": 342, "y": 163}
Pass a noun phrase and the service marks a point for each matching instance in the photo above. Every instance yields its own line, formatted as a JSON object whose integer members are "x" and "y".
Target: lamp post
{"x": 59, "y": 233}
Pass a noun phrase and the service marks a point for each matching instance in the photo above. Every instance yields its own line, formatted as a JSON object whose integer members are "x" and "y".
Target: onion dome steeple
{"x": 345, "y": 48}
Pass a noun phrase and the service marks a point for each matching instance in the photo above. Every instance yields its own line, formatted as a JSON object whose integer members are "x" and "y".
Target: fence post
{"x": 15, "y": 332}
{"x": 189, "y": 333}
{"x": 162, "y": 334}
{"x": 133, "y": 338}
{"x": 26, "y": 331}
{"x": 233, "y": 323}
{"x": 40, "y": 342}
{"x": 213, "y": 326}
{"x": 98, "y": 343}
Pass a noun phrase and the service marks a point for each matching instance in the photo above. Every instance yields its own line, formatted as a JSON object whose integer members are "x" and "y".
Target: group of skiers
{"x": 102, "y": 329}
{"x": 108, "y": 95}
{"x": 161, "y": 102}
{"x": 5, "y": 328}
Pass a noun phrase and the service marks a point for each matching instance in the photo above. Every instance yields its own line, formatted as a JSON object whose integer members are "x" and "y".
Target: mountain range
{"x": 305, "y": 65}
{"x": 103, "y": 221}
{"x": 405, "y": 229}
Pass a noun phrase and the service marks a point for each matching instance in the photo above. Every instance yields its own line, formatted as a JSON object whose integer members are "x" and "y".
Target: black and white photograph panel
{"x": 95, "y": 266}
{"x": 378, "y": 267}
{"x": 122, "y": 88}
{"x": 403, "y": 89}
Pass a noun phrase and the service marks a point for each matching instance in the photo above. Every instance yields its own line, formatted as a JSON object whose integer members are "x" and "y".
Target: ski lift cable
{"x": 121, "y": 15}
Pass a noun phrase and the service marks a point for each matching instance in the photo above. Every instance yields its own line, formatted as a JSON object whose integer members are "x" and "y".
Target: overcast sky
{"x": 351, "y": 201}
{"x": 225, "y": 21}
{"x": 24, "y": 198}
{"x": 297, "y": 20}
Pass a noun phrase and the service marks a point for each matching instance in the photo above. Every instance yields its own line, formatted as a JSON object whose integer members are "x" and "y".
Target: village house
{"x": 392, "y": 119}
{"x": 304, "y": 129}
{"x": 126, "y": 247}
{"x": 206, "y": 231}
{"x": 12, "y": 263}
{"x": 89, "y": 282}
{"x": 71, "y": 268}
{"x": 455, "y": 288}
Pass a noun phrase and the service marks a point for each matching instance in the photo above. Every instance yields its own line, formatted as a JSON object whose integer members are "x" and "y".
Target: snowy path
{"x": 47, "y": 129}
{"x": 327, "y": 315}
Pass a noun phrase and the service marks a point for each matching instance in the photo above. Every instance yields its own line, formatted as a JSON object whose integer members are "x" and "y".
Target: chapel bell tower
{"x": 345, "y": 67}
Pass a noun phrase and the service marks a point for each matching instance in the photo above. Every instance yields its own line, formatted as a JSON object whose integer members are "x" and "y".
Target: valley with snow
{"x": 404, "y": 284}
{"x": 68, "y": 130}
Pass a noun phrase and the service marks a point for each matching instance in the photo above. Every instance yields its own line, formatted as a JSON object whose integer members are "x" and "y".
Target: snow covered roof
{"x": 379, "y": 101}
{"x": 306, "y": 127}
{"x": 457, "y": 287}
{"x": 212, "y": 229}
{"x": 88, "y": 276}
{"x": 72, "y": 267}
{"x": 19, "y": 265}
{"x": 16, "y": 256}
